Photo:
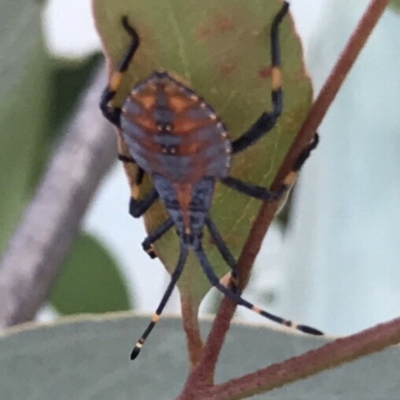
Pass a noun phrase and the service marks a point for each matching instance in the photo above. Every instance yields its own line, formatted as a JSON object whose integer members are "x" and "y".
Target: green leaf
{"x": 395, "y": 5}
{"x": 90, "y": 281}
{"x": 24, "y": 104}
{"x": 221, "y": 49}
{"x": 88, "y": 358}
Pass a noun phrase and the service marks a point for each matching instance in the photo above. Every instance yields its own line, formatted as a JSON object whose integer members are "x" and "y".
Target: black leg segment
{"x": 174, "y": 278}
{"x": 306, "y": 153}
{"x": 155, "y": 235}
{"x": 140, "y": 172}
{"x": 126, "y": 159}
{"x": 113, "y": 114}
{"x": 242, "y": 302}
{"x": 257, "y": 192}
{"x": 267, "y": 120}
{"x": 138, "y": 207}
{"x": 222, "y": 247}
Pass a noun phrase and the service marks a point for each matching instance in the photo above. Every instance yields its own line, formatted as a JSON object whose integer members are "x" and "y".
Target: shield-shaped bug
{"x": 177, "y": 138}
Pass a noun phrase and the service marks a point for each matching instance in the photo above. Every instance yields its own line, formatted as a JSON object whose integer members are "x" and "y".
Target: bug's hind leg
{"x": 113, "y": 114}
{"x": 267, "y": 120}
{"x": 155, "y": 235}
{"x": 261, "y": 193}
{"x": 224, "y": 251}
{"x": 238, "y": 299}
{"x": 156, "y": 316}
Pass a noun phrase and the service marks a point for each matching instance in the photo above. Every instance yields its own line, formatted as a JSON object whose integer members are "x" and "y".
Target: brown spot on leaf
{"x": 225, "y": 24}
{"x": 217, "y": 25}
{"x": 227, "y": 68}
{"x": 264, "y": 72}
{"x": 203, "y": 32}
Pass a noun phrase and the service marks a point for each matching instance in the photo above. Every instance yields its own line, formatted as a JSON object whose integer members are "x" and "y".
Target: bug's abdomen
{"x": 170, "y": 131}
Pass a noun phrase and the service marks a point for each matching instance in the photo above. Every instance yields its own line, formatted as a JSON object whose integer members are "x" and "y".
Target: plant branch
{"x": 191, "y": 327}
{"x": 328, "y": 356}
{"x": 52, "y": 219}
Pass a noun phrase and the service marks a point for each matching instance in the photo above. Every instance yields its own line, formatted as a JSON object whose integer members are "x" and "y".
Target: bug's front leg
{"x": 267, "y": 120}
{"x": 113, "y": 114}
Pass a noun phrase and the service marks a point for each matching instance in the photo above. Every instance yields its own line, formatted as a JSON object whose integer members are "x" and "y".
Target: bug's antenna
{"x": 156, "y": 316}
{"x": 238, "y": 299}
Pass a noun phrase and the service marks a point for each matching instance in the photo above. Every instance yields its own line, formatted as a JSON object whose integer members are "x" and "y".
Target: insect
{"x": 176, "y": 137}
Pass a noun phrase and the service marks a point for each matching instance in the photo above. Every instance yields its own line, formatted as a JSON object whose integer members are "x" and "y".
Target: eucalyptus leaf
{"x": 90, "y": 281}
{"x": 395, "y": 5}
{"x": 221, "y": 49}
{"x": 88, "y": 358}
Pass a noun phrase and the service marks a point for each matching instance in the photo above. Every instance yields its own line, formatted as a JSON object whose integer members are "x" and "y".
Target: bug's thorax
{"x": 187, "y": 204}
{"x": 171, "y": 131}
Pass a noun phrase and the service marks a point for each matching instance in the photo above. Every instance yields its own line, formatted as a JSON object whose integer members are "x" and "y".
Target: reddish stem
{"x": 190, "y": 323}
{"x": 329, "y": 356}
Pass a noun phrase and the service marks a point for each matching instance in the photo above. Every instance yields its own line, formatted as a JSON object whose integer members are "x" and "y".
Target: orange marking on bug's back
{"x": 146, "y": 98}
{"x": 147, "y": 123}
{"x": 179, "y": 103}
{"x": 192, "y": 148}
{"x": 184, "y": 125}
{"x": 152, "y": 148}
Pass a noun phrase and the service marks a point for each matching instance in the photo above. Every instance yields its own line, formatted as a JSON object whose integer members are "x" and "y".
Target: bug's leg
{"x": 223, "y": 249}
{"x": 267, "y": 120}
{"x": 138, "y": 207}
{"x": 261, "y": 193}
{"x": 258, "y": 192}
{"x": 155, "y": 235}
{"x": 126, "y": 159}
{"x": 138, "y": 178}
{"x": 174, "y": 278}
{"x": 113, "y": 114}
{"x": 242, "y": 302}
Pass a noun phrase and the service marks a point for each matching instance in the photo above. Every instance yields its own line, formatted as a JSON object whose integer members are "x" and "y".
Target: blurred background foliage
{"x": 39, "y": 93}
